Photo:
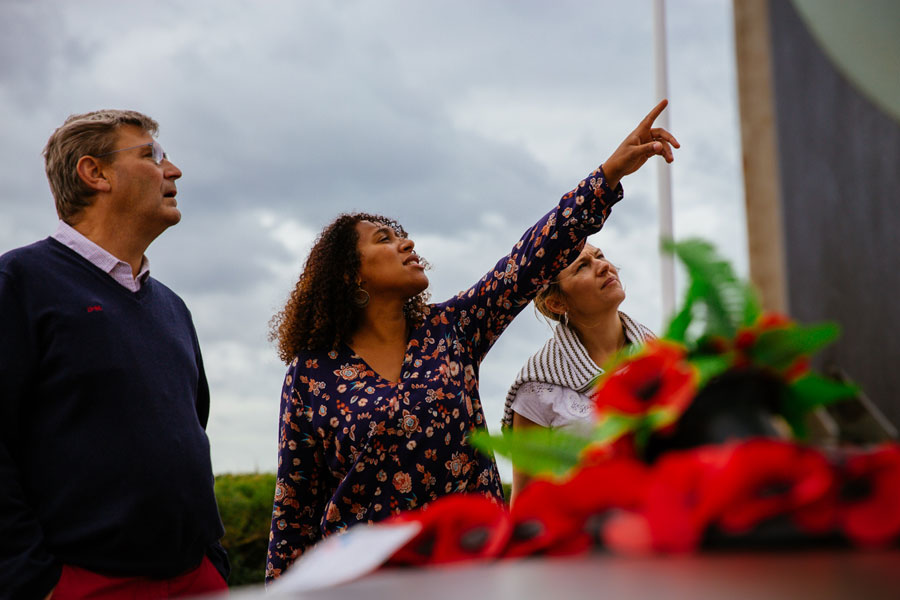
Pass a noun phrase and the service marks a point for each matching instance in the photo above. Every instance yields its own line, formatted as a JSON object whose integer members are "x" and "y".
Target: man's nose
{"x": 407, "y": 245}
{"x": 171, "y": 170}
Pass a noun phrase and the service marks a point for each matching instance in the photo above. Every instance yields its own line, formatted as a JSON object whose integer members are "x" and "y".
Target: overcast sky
{"x": 465, "y": 120}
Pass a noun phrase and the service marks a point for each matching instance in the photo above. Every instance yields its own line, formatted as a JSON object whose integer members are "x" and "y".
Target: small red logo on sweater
{"x": 95, "y": 308}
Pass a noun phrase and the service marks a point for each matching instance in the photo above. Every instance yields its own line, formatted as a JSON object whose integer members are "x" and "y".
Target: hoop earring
{"x": 360, "y": 297}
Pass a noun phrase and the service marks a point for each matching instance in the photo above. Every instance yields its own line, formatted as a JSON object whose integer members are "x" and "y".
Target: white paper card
{"x": 346, "y": 556}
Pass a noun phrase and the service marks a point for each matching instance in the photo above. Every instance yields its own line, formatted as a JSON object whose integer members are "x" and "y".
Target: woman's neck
{"x": 602, "y": 335}
{"x": 381, "y": 339}
{"x": 383, "y": 323}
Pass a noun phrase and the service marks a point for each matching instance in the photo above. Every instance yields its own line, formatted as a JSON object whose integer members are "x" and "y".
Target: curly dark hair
{"x": 320, "y": 313}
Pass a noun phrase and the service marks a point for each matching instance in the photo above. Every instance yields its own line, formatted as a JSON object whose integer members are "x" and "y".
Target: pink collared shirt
{"x": 117, "y": 269}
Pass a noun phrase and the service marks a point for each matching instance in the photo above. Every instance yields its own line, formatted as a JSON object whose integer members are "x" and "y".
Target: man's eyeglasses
{"x": 158, "y": 153}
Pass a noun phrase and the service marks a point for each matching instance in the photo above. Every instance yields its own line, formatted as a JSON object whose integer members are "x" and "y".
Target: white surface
{"x": 344, "y": 557}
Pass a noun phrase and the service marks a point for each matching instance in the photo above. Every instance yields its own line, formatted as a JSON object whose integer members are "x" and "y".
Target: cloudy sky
{"x": 465, "y": 120}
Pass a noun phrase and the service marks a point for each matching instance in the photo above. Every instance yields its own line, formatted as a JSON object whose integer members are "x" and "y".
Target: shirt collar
{"x": 101, "y": 258}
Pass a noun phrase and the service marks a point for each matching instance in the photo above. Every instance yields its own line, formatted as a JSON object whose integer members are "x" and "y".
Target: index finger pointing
{"x": 648, "y": 120}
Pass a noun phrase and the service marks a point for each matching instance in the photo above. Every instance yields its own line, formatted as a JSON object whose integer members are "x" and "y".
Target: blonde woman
{"x": 553, "y": 388}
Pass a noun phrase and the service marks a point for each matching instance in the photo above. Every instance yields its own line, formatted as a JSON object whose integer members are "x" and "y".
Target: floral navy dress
{"x": 356, "y": 448}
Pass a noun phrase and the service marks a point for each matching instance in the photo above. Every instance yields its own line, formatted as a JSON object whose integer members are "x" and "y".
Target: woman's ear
{"x": 556, "y": 305}
{"x": 91, "y": 172}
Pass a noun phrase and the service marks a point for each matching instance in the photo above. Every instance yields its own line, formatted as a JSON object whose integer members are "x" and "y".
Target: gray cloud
{"x": 465, "y": 120}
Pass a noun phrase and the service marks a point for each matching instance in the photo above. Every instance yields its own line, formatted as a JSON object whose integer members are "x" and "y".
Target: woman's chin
{"x": 419, "y": 286}
{"x": 615, "y": 294}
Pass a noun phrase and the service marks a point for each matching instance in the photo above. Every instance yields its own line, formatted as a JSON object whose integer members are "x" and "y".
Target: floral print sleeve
{"x": 487, "y": 308}
{"x": 355, "y": 448}
{"x": 299, "y": 498}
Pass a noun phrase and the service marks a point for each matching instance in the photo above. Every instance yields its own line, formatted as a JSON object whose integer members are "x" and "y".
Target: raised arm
{"x": 484, "y": 310}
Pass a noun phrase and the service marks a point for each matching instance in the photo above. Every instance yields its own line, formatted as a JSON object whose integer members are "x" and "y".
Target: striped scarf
{"x": 564, "y": 361}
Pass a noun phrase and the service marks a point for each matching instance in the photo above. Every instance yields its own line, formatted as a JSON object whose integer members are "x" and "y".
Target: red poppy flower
{"x": 658, "y": 378}
{"x": 598, "y": 487}
{"x": 673, "y": 501}
{"x": 797, "y": 369}
{"x": 455, "y": 528}
{"x": 628, "y": 533}
{"x": 621, "y": 447}
{"x": 763, "y": 478}
{"x": 747, "y": 337}
{"x": 542, "y": 523}
{"x": 714, "y": 344}
{"x": 772, "y": 320}
{"x": 869, "y": 512}
{"x": 565, "y": 517}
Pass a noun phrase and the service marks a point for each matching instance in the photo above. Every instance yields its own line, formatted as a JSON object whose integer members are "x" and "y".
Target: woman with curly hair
{"x": 381, "y": 391}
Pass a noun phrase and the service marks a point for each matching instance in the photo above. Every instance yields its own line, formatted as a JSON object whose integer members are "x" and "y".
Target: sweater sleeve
{"x": 300, "y": 497}
{"x": 484, "y": 310}
{"x": 27, "y": 568}
{"x": 202, "y": 384}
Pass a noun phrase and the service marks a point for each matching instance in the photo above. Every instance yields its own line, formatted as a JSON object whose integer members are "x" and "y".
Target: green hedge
{"x": 245, "y": 503}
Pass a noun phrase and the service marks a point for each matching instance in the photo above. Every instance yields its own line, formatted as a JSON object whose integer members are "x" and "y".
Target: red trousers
{"x": 81, "y": 584}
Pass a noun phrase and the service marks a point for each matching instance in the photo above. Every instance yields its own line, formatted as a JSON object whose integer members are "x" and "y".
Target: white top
{"x": 557, "y": 406}
{"x": 564, "y": 362}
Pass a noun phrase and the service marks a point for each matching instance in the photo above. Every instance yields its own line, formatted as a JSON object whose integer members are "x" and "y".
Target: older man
{"x": 106, "y": 486}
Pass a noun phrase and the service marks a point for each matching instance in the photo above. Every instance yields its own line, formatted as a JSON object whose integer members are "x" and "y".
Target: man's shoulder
{"x": 163, "y": 292}
{"x": 24, "y": 256}
{"x": 30, "y": 251}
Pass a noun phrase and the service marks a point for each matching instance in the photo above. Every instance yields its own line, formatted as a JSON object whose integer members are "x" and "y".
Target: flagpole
{"x": 664, "y": 180}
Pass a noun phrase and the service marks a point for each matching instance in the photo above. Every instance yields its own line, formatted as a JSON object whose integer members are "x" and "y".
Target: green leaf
{"x": 808, "y": 393}
{"x": 727, "y": 302}
{"x": 794, "y": 416}
{"x": 752, "y": 307}
{"x": 812, "y": 391}
{"x": 612, "y": 426}
{"x": 779, "y": 348}
{"x": 534, "y": 450}
{"x": 678, "y": 326}
{"x": 659, "y": 418}
{"x": 710, "y": 365}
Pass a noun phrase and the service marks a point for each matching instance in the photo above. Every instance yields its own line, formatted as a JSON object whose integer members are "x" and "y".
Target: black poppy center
{"x": 527, "y": 530}
{"x": 594, "y": 524}
{"x": 648, "y": 390}
{"x": 426, "y": 546}
{"x": 474, "y": 539}
{"x": 856, "y": 489}
{"x": 773, "y": 489}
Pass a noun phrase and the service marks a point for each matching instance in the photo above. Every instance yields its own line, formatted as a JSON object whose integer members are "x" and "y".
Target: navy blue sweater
{"x": 104, "y": 459}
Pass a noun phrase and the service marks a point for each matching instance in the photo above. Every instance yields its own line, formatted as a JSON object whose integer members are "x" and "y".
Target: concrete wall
{"x": 839, "y": 163}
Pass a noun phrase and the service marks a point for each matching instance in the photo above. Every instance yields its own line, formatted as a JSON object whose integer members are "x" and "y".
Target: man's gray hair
{"x": 92, "y": 134}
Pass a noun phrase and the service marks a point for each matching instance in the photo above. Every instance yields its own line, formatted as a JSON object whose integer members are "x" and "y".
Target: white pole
{"x": 664, "y": 180}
